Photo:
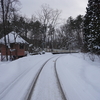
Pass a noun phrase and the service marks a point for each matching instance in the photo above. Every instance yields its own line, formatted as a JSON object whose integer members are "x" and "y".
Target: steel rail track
{"x": 8, "y": 87}
{"x": 58, "y": 79}
{"x": 31, "y": 90}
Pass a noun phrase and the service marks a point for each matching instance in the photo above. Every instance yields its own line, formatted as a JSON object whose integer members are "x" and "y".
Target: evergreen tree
{"x": 92, "y": 27}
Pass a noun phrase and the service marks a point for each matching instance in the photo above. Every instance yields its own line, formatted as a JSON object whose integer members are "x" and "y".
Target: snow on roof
{"x": 12, "y": 37}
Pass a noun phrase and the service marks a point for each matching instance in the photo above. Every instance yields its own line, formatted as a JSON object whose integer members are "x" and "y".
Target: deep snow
{"x": 79, "y": 76}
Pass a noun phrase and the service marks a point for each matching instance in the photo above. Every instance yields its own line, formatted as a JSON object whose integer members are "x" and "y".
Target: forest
{"x": 45, "y": 29}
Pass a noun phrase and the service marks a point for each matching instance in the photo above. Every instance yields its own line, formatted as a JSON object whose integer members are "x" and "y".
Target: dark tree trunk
{"x": 4, "y": 28}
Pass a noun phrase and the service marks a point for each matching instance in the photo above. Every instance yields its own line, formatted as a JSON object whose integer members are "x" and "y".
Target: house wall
{"x": 17, "y": 51}
{"x": 0, "y": 48}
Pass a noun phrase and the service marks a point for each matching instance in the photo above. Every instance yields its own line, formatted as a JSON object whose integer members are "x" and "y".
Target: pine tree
{"x": 92, "y": 27}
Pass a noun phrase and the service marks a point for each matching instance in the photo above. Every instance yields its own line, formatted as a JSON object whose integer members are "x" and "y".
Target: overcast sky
{"x": 68, "y": 7}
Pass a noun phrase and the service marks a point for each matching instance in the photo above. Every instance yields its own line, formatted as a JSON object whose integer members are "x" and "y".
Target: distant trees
{"x": 36, "y": 34}
{"x": 48, "y": 17}
{"x": 68, "y": 36}
{"x": 71, "y": 33}
{"x": 41, "y": 30}
{"x": 82, "y": 32}
{"x": 92, "y": 27}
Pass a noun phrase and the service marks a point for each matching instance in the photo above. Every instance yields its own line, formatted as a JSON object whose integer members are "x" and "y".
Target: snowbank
{"x": 79, "y": 77}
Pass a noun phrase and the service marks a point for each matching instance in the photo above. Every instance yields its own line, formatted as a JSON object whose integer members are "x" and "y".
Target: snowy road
{"x": 35, "y": 78}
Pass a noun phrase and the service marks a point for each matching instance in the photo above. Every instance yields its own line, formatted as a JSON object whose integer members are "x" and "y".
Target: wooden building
{"x": 15, "y": 47}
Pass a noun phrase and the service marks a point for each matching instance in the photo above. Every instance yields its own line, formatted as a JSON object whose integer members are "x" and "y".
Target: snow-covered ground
{"x": 79, "y": 77}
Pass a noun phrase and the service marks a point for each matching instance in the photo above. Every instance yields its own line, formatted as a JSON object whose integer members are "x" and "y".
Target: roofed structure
{"x": 15, "y": 46}
{"x": 13, "y": 37}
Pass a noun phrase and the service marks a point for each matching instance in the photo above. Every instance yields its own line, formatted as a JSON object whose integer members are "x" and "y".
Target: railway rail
{"x": 34, "y": 82}
{"x": 59, "y": 82}
{"x": 7, "y": 88}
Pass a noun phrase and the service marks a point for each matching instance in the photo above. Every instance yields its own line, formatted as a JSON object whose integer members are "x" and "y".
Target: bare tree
{"x": 48, "y": 17}
{"x": 7, "y": 7}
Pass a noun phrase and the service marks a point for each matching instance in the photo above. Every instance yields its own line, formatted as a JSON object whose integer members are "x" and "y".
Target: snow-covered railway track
{"x": 5, "y": 92}
{"x": 59, "y": 82}
{"x": 30, "y": 94}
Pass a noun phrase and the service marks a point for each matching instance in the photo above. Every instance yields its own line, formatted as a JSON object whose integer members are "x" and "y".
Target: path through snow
{"x": 79, "y": 78}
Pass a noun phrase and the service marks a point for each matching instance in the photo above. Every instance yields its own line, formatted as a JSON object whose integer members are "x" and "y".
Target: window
{"x": 21, "y": 46}
{"x": 11, "y": 45}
